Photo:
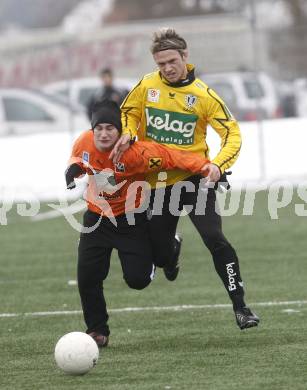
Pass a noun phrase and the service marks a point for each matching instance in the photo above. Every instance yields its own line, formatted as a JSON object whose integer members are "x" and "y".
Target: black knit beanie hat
{"x": 106, "y": 111}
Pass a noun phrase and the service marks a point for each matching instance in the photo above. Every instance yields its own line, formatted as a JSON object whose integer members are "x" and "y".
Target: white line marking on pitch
{"x": 151, "y": 308}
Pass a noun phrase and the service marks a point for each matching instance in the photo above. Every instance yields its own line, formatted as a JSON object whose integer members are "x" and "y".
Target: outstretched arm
{"x": 145, "y": 157}
{"x": 73, "y": 171}
{"x": 131, "y": 109}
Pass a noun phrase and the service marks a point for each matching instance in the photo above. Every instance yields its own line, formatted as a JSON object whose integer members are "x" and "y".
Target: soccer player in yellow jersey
{"x": 172, "y": 107}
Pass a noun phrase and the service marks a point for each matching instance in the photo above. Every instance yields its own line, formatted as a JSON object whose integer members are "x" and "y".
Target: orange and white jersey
{"x": 108, "y": 191}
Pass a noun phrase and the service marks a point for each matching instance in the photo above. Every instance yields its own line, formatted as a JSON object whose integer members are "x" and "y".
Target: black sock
{"x": 227, "y": 266}
{"x": 238, "y": 302}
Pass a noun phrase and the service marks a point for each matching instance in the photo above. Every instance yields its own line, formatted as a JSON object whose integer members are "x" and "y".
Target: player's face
{"x": 105, "y": 136}
{"x": 171, "y": 64}
{"x": 107, "y": 80}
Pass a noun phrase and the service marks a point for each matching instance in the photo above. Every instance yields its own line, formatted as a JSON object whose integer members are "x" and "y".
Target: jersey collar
{"x": 182, "y": 83}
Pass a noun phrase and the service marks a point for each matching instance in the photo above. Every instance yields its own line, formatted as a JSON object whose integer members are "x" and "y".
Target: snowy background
{"x": 33, "y": 166}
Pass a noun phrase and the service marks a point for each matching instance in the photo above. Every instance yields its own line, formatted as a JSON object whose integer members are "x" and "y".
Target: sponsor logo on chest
{"x": 170, "y": 127}
{"x": 120, "y": 167}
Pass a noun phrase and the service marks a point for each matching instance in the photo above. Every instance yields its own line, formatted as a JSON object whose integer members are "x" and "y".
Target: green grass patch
{"x": 190, "y": 349}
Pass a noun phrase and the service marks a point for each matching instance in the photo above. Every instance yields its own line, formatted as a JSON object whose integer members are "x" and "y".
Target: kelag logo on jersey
{"x": 169, "y": 127}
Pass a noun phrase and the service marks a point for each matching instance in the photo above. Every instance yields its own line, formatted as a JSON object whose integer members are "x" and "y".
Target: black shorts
{"x": 132, "y": 242}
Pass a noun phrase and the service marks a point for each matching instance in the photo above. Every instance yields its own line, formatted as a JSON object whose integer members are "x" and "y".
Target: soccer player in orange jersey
{"x": 107, "y": 222}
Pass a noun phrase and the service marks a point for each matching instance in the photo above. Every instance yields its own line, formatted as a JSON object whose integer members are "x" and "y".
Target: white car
{"x": 79, "y": 91}
{"x": 248, "y": 95}
{"x": 24, "y": 111}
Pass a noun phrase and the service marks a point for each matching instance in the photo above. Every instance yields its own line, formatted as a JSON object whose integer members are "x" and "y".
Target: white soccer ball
{"x": 76, "y": 353}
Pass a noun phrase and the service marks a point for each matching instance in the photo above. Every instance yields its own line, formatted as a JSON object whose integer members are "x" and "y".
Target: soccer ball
{"x": 76, "y": 353}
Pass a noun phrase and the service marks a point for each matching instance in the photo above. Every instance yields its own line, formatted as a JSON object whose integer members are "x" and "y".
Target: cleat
{"x": 171, "y": 270}
{"x": 101, "y": 340}
{"x": 245, "y": 318}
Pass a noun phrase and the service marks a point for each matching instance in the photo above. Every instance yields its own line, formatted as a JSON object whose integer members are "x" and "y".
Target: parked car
{"x": 25, "y": 111}
{"x": 249, "y": 96}
{"x": 79, "y": 91}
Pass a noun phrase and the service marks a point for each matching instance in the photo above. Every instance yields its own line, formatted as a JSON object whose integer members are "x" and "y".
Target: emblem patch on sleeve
{"x": 85, "y": 158}
{"x": 155, "y": 162}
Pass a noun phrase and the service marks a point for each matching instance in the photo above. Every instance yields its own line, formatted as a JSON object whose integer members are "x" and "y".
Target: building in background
{"x": 82, "y": 36}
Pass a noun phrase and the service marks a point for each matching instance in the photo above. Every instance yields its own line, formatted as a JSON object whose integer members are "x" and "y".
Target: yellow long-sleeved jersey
{"x": 177, "y": 115}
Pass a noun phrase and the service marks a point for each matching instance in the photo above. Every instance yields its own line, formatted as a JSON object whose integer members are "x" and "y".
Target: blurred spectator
{"x": 287, "y": 99}
{"x": 107, "y": 91}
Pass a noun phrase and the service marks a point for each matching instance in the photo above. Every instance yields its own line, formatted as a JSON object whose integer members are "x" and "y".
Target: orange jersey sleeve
{"x": 77, "y": 155}
{"x": 145, "y": 157}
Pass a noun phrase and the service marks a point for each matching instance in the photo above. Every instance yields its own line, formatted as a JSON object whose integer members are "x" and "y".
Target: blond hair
{"x": 168, "y": 39}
